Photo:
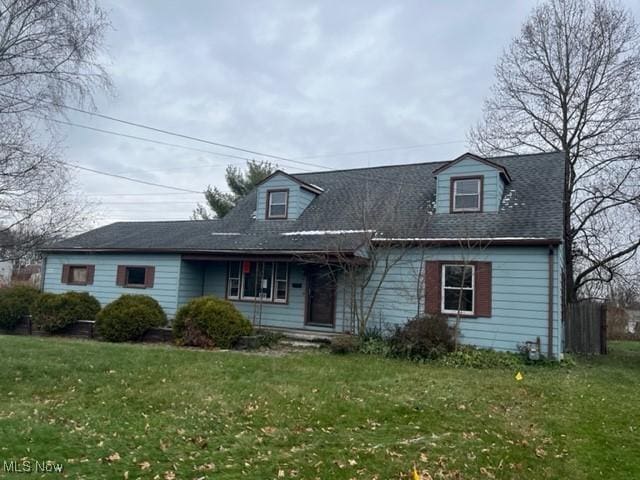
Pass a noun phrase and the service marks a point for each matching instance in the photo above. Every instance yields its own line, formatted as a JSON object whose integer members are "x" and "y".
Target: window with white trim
{"x": 258, "y": 281}
{"x": 466, "y": 194}
{"x": 281, "y": 283}
{"x": 458, "y": 286}
{"x": 233, "y": 282}
{"x": 277, "y": 203}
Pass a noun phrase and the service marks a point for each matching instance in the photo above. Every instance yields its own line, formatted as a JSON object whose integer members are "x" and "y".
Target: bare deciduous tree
{"x": 381, "y": 248}
{"x": 49, "y": 55}
{"x": 570, "y": 82}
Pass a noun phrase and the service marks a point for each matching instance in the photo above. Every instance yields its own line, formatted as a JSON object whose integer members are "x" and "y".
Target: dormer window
{"x": 277, "y": 204}
{"x": 466, "y": 194}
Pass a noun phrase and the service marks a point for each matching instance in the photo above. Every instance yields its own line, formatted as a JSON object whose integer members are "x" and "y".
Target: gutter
{"x": 467, "y": 241}
{"x": 256, "y": 251}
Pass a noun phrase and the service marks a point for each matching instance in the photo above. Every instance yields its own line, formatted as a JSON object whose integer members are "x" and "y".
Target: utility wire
{"x": 148, "y": 127}
{"x": 122, "y": 177}
{"x": 190, "y": 137}
{"x": 360, "y": 176}
{"x": 150, "y": 140}
{"x": 378, "y": 150}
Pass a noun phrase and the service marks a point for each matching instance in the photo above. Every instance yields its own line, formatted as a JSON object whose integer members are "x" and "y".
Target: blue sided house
{"x": 477, "y": 239}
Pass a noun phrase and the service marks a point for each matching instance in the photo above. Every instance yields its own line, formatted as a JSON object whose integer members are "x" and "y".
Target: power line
{"x": 167, "y": 132}
{"x": 189, "y": 137}
{"x": 150, "y": 140}
{"x": 122, "y": 177}
{"x": 148, "y": 127}
{"x": 377, "y": 150}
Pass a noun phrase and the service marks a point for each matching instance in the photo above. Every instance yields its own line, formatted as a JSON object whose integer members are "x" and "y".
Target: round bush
{"x": 53, "y": 312}
{"x": 209, "y": 322}
{"x": 423, "y": 338}
{"x": 15, "y": 304}
{"x": 128, "y": 317}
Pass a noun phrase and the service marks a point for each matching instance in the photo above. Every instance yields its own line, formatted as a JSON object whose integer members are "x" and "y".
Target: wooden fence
{"x": 586, "y": 328}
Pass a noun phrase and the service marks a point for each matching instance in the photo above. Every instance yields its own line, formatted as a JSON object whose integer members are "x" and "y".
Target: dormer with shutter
{"x": 281, "y": 196}
{"x": 470, "y": 184}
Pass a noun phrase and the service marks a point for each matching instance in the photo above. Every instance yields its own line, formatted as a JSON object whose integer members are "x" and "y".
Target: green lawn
{"x": 133, "y": 411}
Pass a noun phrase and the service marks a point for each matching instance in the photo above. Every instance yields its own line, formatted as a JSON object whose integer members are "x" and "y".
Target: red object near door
{"x": 246, "y": 267}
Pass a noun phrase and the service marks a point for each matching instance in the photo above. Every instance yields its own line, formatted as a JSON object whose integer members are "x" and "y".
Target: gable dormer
{"x": 281, "y": 196}
{"x": 470, "y": 184}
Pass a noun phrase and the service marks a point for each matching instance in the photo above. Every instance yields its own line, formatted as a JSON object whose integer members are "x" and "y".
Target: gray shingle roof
{"x": 397, "y": 201}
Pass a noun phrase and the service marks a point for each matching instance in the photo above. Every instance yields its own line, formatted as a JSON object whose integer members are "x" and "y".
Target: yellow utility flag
{"x": 519, "y": 376}
{"x": 415, "y": 475}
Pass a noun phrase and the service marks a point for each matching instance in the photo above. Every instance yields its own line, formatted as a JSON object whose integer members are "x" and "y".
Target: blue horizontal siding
{"x": 104, "y": 288}
{"x": 299, "y": 198}
{"x": 492, "y": 186}
{"x": 519, "y": 295}
{"x": 191, "y": 284}
{"x": 290, "y": 315}
{"x": 519, "y": 291}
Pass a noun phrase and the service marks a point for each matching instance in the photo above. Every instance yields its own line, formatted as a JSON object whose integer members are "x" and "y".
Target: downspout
{"x": 43, "y": 271}
{"x": 550, "y": 306}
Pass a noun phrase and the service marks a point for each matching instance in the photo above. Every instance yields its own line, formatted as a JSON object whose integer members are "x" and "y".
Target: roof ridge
{"x": 537, "y": 154}
{"x": 376, "y": 167}
{"x": 443, "y": 162}
{"x": 162, "y": 221}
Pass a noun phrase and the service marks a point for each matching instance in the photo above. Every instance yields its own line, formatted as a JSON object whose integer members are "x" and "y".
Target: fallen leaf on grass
{"x": 144, "y": 465}
{"x": 114, "y": 457}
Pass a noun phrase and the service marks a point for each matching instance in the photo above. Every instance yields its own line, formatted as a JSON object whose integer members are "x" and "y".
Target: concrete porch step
{"x": 302, "y": 337}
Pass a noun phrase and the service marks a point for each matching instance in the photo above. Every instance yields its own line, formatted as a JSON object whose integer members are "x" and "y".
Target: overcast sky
{"x": 308, "y": 81}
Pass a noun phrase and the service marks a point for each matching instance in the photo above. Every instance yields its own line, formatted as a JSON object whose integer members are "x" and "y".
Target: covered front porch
{"x": 278, "y": 292}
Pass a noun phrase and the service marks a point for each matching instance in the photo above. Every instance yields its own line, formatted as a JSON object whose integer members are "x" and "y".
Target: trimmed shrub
{"x": 423, "y": 338}
{"x": 209, "y": 322}
{"x": 15, "y": 304}
{"x": 128, "y": 317}
{"x": 53, "y": 312}
{"x": 342, "y": 344}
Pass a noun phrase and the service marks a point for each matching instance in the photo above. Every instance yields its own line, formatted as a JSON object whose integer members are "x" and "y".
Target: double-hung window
{"x": 458, "y": 288}
{"x": 233, "y": 280}
{"x": 277, "y": 204}
{"x": 258, "y": 281}
{"x": 466, "y": 194}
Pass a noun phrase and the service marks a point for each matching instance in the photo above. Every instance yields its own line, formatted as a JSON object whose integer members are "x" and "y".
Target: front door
{"x": 321, "y": 297}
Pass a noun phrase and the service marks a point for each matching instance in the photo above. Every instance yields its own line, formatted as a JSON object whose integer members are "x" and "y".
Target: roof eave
{"x": 470, "y": 242}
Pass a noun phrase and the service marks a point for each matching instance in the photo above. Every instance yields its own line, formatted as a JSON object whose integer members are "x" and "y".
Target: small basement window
{"x": 458, "y": 289}
{"x": 277, "y": 204}
{"x": 466, "y": 194}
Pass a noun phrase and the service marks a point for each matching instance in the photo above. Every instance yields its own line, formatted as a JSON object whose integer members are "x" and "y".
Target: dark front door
{"x": 321, "y": 297}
